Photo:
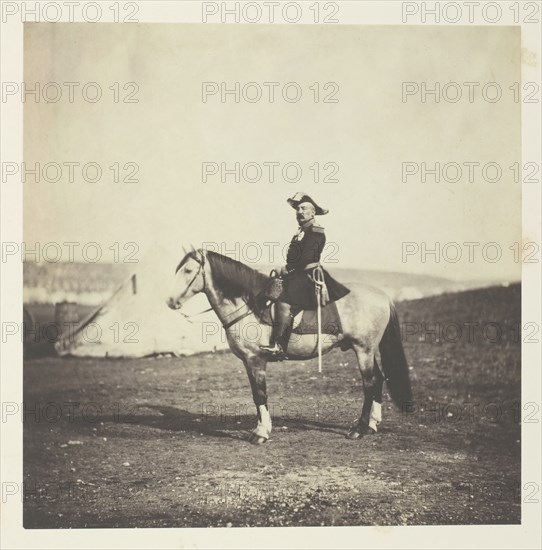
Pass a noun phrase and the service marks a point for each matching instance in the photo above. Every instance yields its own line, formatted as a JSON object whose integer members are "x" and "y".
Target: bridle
{"x": 201, "y": 270}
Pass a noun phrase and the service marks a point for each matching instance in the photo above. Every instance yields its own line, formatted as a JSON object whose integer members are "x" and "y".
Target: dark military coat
{"x": 298, "y": 287}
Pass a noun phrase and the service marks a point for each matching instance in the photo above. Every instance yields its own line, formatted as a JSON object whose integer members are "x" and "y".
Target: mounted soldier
{"x": 365, "y": 319}
{"x": 303, "y": 258}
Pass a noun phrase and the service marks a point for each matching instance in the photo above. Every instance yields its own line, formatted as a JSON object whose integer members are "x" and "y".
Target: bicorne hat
{"x": 300, "y": 197}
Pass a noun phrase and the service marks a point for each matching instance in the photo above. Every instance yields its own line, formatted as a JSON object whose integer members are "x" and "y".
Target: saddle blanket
{"x": 306, "y": 321}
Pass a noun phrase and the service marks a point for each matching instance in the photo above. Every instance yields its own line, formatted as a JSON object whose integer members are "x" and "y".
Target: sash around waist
{"x": 308, "y": 267}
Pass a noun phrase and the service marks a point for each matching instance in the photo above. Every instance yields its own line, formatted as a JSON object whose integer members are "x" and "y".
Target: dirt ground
{"x": 162, "y": 442}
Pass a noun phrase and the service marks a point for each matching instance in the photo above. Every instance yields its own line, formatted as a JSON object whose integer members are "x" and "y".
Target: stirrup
{"x": 273, "y": 350}
{"x": 275, "y": 353}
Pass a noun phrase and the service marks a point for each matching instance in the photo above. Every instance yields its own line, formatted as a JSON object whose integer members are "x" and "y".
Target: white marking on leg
{"x": 263, "y": 429}
{"x": 376, "y": 415}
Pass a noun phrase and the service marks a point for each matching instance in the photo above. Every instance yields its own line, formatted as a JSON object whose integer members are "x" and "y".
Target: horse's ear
{"x": 192, "y": 249}
{"x": 184, "y": 251}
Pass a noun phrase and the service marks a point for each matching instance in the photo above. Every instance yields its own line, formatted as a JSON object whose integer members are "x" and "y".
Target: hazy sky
{"x": 368, "y": 133}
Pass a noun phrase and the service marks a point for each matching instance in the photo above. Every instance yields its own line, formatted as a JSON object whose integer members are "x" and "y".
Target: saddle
{"x": 306, "y": 321}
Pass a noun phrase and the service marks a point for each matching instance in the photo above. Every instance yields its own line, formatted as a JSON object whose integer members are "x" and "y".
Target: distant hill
{"x": 408, "y": 286}
{"x": 92, "y": 284}
{"x": 490, "y": 303}
{"x": 485, "y": 315}
{"x": 85, "y": 283}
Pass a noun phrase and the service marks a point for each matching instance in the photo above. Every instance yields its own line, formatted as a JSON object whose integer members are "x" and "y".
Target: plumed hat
{"x": 300, "y": 197}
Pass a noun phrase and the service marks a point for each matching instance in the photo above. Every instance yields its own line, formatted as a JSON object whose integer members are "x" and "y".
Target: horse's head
{"x": 189, "y": 279}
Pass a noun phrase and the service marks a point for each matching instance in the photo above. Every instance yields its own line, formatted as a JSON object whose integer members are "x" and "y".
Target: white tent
{"x": 136, "y": 322}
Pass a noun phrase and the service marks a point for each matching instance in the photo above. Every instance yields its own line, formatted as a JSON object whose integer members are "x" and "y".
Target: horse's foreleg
{"x": 255, "y": 367}
{"x": 371, "y": 413}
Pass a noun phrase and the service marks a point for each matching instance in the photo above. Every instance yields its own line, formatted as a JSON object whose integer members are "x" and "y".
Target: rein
{"x": 188, "y": 317}
{"x": 239, "y": 318}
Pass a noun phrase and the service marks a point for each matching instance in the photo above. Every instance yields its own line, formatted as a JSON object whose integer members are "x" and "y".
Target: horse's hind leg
{"x": 372, "y": 393}
{"x": 375, "y": 416}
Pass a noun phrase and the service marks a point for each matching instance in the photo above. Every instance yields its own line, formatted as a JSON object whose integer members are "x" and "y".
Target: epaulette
{"x": 317, "y": 228}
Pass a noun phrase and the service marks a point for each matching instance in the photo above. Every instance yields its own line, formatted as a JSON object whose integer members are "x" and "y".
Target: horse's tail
{"x": 394, "y": 362}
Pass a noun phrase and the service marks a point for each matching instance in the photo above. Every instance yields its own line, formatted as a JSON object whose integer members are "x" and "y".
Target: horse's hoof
{"x": 358, "y": 433}
{"x": 367, "y": 430}
{"x": 256, "y": 439}
{"x": 353, "y": 434}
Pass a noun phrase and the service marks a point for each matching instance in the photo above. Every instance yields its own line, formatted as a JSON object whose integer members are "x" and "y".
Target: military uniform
{"x": 298, "y": 286}
{"x": 303, "y": 256}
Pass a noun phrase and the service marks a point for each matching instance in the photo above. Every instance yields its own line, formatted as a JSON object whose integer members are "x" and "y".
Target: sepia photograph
{"x": 277, "y": 268}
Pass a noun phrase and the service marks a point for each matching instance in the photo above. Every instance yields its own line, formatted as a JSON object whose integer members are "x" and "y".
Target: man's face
{"x": 305, "y": 212}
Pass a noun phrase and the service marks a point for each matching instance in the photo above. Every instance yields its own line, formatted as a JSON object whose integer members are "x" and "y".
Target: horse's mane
{"x": 234, "y": 279}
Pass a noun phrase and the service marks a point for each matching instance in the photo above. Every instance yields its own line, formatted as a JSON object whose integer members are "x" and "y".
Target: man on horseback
{"x": 298, "y": 284}
{"x": 238, "y": 295}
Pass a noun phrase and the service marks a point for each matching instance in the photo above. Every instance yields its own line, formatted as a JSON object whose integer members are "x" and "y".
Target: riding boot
{"x": 281, "y": 332}
{"x": 284, "y": 326}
